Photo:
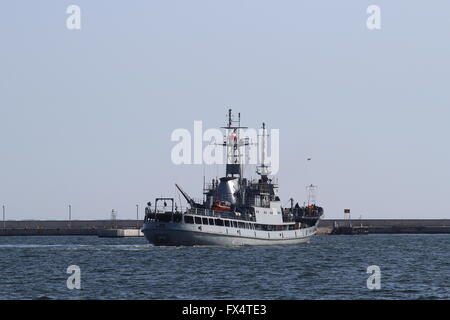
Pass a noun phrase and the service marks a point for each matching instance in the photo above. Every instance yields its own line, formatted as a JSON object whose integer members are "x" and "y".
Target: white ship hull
{"x": 182, "y": 234}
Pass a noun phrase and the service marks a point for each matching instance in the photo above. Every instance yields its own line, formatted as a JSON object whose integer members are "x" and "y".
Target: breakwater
{"x": 64, "y": 227}
{"x": 390, "y": 226}
{"x": 93, "y": 227}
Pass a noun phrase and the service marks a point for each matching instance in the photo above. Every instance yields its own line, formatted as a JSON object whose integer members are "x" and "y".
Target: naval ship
{"x": 235, "y": 210}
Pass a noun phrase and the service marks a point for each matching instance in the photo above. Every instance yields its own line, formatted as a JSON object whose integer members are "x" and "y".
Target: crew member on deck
{"x": 148, "y": 209}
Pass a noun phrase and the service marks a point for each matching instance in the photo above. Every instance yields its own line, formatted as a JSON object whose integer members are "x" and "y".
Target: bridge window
{"x": 188, "y": 219}
{"x": 241, "y": 225}
{"x": 205, "y": 220}
{"x": 227, "y": 223}
{"x": 198, "y": 220}
{"x": 235, "y": 224}
{"x": 211, "y": 221}
{"x": 219, "y": 222}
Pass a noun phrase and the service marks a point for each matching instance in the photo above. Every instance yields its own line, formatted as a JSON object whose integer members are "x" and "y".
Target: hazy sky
{"x": 86, "y": 115}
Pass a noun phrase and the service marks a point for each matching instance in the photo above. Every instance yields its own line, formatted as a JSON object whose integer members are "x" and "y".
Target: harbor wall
{"x": 390, "y": 226}
{"x": 75, "y": 224}
{"x": 119, "y": 233}
{"x": 66, "y": 228}
{"x": 48, "y": 232}
{"x": 93, "y": 227}
{"x": 387, "y": 222}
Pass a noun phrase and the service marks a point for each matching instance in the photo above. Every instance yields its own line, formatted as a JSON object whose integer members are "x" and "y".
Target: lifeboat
{"x": 221, "y": 206}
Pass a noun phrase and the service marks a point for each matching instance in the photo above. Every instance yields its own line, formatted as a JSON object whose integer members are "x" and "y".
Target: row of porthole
{"x": 268, "y": 233}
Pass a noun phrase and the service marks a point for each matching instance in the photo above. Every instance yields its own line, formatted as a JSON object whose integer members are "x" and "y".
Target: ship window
{"x": 227, "y": 223}
{"x": 241, "y": 225}
{"x": 235, "y": 224}
{"x": 205, "y": 220}
{"x": 188, "y": 219}
{"x": 246, "y": 226}
{"x": 211, "y": 222}
{"x": 198, "y": 220}
{"x": 219, "y": 222}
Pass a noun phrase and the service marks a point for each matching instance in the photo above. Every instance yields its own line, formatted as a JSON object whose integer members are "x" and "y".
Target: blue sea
{"x": 329, "y": 267}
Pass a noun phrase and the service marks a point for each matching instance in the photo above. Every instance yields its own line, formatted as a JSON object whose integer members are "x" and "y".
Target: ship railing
{"x": 293, "y": 216}
{"x": 220, "y": 214}
{"x": 165, "y": 209}
{"x": 209, "y": 186}
{"x": 288, "y": 217}
{"x": 163, "y": 215}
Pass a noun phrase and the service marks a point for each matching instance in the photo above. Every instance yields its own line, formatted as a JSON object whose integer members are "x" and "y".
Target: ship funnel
{"x": 228, "y": 189}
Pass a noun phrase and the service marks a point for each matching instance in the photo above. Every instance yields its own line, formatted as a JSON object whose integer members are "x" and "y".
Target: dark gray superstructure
{"x": 235, "y": 210}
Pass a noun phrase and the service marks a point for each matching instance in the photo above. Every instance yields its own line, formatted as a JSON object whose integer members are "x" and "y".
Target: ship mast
{"x": 311, "y": 194}
{"x": 263, "y": 170}
{"x": 233, "y": 142}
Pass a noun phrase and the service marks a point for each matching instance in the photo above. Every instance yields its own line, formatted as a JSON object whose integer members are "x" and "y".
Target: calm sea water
{"x": 330, "y": 267}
